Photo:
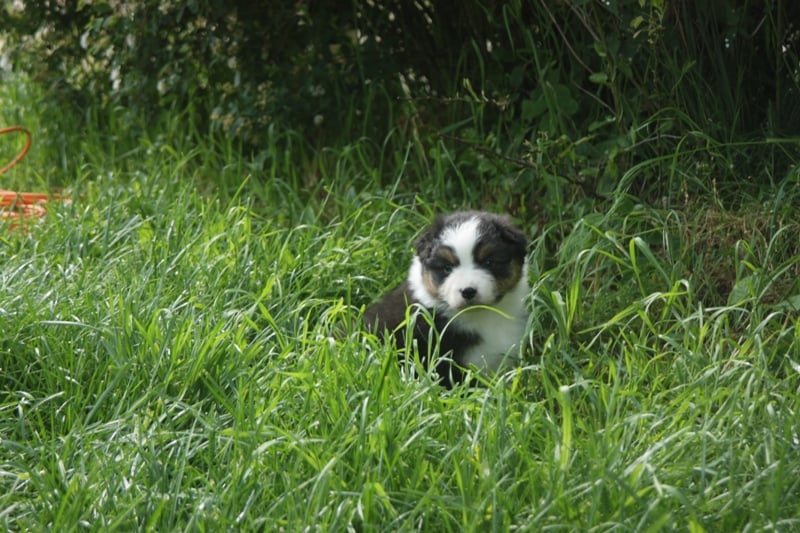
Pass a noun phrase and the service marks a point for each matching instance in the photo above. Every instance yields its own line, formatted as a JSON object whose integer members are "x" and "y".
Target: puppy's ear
{"x": 509, "y": 232}
{"x": 425, "y": 242}
{"x": 514, "y": 236}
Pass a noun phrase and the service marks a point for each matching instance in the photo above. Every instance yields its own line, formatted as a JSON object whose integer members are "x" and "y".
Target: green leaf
{"x": 534, "y": 107}
{"x": 601, "y": 78}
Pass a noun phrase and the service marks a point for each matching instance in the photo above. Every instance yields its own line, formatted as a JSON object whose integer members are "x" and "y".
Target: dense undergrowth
{"x": 180, "y": 345}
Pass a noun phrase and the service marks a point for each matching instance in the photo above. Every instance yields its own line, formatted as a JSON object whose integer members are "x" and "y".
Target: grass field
{"x": 180, "y": 350}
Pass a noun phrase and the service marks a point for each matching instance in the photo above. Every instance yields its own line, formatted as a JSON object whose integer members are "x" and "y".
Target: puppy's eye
{"x": 495, "y": 261}
{"x": 443, "y": 268}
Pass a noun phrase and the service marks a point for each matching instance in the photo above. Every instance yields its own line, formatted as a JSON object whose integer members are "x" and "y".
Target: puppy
{"x": 464, "y": 295}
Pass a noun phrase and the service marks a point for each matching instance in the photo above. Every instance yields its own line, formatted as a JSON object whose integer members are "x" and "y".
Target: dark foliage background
{"x": 533, "y": 96}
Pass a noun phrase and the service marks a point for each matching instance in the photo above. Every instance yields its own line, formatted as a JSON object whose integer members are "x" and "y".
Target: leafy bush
{"x": 588, "y": 87}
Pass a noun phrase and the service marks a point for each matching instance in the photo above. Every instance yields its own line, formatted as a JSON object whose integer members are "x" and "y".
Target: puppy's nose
{"x": 469, "y": 293}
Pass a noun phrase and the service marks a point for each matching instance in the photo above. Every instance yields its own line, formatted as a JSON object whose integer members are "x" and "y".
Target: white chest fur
{"x": 501, "y": 329}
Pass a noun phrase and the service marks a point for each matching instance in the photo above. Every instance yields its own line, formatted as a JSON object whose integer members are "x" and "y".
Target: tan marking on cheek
{"x": 483, "y": 252}
{"x": 506, "y": 284}
{"x": 430, "y": 284}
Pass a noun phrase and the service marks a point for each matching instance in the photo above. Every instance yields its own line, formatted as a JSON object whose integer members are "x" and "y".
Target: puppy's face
{"x": 471, "y": 258}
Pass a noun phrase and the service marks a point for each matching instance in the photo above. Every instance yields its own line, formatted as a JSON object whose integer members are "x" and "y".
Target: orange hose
{"x": 22, "y": 153}
{"x": 19, "y": 205}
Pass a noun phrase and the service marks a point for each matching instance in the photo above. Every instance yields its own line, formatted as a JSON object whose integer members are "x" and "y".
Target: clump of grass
{"x": 180, "y": 356}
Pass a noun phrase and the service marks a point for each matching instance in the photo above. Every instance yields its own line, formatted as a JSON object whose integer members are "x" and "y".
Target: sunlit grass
{"x": 179, "y": 349}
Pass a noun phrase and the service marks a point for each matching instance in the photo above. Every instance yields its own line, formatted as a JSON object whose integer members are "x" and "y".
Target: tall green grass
{"x": 180, "y": 350}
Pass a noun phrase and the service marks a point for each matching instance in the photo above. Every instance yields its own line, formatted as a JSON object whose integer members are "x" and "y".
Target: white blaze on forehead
{"x": 462, "y": 239}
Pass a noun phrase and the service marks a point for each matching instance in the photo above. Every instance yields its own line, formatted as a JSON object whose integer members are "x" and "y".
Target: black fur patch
{"x": 387, "y": 317}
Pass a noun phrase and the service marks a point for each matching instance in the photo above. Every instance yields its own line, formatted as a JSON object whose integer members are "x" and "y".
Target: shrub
{"x": 587, "y": 87}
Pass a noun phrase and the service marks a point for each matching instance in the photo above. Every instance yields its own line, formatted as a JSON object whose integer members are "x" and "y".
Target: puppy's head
{"x": 471, "y": 258}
